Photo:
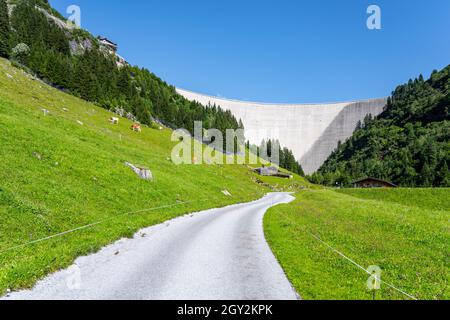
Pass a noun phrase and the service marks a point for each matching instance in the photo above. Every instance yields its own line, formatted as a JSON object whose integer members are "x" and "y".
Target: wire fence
{"x": 359, "y": 266}
{"x": 87, "y": 226}
{"x": 90, "y": 225}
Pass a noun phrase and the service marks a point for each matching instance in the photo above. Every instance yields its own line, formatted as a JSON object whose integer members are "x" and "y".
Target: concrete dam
{"x": 311, "y": 131}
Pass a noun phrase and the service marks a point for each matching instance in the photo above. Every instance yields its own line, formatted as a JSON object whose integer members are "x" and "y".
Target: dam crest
{"x": 311, "y": 131}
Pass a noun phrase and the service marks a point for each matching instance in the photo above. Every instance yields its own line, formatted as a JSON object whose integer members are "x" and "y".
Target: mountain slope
{"x": 75, "y": 61}
{"x": 66, "y": 169}
{"x": 408, "y": 144}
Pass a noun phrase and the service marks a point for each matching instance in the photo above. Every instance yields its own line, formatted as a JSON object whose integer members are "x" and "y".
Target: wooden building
{"x": 373, "y": 183}
{"x": 273, "y": 172}
{"x": 111, "y": 46}
{"x": 267, "y": 171}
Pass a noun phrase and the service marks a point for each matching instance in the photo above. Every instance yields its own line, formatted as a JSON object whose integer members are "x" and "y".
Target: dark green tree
{"x": 55, "y": 56}
{"x": 4, "y": 30}
{"x": 407, "y": 144}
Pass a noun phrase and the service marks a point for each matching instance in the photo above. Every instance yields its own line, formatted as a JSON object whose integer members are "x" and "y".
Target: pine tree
{"x": 4, "y": 30}
{"x": 444, "y": 176}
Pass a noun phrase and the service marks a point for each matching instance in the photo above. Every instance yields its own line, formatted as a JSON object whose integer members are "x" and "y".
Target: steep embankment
{"x": 65, "y": 170}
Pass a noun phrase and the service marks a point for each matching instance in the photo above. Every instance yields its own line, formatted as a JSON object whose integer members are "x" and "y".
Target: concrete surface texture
{"x": 311, "y": 131}
{"x": 218, "y": 254}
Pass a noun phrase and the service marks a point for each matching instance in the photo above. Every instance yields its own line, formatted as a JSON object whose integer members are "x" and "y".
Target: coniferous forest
{"x": 286, "y": 157}
{"x": 95, "y": 76}
{"x": 5, "y": 31}
{"x": 408, "y": 144}
{"x": 73, "y": 60}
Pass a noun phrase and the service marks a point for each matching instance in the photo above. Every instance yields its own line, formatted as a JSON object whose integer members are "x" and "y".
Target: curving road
{"x": 219, "y": 254}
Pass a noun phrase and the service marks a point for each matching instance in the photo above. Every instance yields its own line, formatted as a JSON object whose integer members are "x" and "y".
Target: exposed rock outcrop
{"x": 60, "y": 23}
{"x": 143, "y": 173}
{"x": 79, "y": 47}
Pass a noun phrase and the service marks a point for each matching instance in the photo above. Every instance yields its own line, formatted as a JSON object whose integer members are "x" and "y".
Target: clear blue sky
{"x": 276, "y": 51}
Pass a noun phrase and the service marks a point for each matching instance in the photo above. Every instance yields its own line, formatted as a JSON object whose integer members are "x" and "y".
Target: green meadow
{"x": 403, "y": 231}
{"x": 431, "y": 198}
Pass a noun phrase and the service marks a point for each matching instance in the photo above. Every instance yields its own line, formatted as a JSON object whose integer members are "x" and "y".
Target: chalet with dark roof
{"x": 273, "y": 172}
{"x": 373, "y": 183}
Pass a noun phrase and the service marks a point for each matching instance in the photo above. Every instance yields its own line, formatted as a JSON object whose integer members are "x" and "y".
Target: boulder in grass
{"x": 227, "y": 193}
{"x": 143, "y": 172}
{"x": 37, "y": 155}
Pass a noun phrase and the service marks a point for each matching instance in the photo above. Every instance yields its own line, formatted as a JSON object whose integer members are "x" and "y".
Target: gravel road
{"x": 218, "y": 254}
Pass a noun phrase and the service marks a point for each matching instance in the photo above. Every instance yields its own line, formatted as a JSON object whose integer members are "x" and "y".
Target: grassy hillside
{"x": 405, "y": 232}
{"x": 76, "y": 61}
{"x": 57, "y": 174}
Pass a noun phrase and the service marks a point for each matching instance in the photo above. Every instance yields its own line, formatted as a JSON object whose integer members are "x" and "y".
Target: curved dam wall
{"x": 311, "y": 131}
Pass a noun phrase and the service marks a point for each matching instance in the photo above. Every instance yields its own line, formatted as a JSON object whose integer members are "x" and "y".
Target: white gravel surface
{"x": 218, "y": 254}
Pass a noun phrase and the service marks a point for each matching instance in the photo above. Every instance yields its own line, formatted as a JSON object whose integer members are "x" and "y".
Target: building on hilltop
{"x": 111, "y": 47}
{"x": 108, "y": 44}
